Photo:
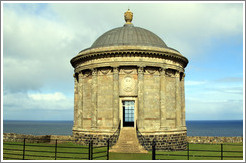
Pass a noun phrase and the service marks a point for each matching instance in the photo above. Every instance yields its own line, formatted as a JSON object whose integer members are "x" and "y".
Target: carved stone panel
{"x": 128, "y": 82}
{"x": 105, "y": 71}
{"x": 170, "y": 73}
{"x": 151, "y": 71}
{"x": 87, "y": 73}
{"x": 128, "y": 70}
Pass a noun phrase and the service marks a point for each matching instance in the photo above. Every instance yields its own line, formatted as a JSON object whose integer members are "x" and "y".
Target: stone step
{"x": 128, "y": 142}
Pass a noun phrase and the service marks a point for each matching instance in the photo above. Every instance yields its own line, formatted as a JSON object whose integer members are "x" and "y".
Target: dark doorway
{"x": 128, "y": 113}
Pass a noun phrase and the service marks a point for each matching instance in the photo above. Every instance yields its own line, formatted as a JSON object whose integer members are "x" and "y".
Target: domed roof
{"x": 128, "y": 39}
{"x": 129, "y": 35}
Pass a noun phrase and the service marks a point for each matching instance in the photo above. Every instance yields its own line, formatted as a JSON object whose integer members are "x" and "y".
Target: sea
{"x": 229, "y": 128}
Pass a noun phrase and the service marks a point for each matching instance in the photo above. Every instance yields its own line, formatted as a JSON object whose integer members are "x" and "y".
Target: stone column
{"x": 80, "y": 101}
{"x": 75, "y": 121}
{"x": 140, "y": 120}
{"x": 94, "y": 99}
{"x": 183, "y": 101}
{"x": 163, "y": 123}
{"x": 178, "y": 99}
{"x": 116, "y": 97}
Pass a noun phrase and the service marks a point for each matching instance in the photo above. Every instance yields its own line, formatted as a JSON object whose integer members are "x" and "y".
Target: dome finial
{"x": 128, "y": 16}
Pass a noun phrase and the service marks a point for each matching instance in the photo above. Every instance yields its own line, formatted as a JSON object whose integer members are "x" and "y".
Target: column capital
{"x": 76, "y": 77}
{"x": 94, "y": 71}
{"x": 80, "y": 74}
{"x": 177, "y": 74}
{"x": 115, "y": 69}
{"x": 162, "y": 70}
{"x": 140, "y": 69}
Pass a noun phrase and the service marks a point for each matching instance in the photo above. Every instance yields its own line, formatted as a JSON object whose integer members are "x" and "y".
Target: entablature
{"x": 162, "y": 53}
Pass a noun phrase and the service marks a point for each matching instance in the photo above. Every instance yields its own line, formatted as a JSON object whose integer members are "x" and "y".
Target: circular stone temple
{"x": 129, "y": 83}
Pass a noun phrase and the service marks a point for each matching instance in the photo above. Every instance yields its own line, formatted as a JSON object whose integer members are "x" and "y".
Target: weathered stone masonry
{"x": 8, "y": 137}
{"x": 130, "y": 64}
{"x": 158, "y": 90}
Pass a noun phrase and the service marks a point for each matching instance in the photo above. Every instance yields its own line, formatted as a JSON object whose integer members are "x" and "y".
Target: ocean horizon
{"x": 223, "y": 128}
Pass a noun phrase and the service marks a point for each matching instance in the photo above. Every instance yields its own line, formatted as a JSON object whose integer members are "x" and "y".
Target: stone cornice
{"x": 132, "y": 50}
{"x": 136, "y": 63}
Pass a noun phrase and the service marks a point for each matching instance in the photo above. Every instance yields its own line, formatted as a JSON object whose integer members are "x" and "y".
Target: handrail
{"x": 143, "y": 141}
{"x": 116, "y": 133}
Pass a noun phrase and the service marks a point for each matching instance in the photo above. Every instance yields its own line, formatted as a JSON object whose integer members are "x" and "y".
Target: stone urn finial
{"x": 128, "y": 16}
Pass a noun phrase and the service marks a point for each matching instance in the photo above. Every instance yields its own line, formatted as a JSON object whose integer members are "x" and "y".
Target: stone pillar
{"x": 116, "y": 97}
{"x": 80, "y": 101}
{"x": 140, "y": 120}
{"x": 183, "y": 100}
{"x": 163, "y": 122}
{"x": 94, "y": 99}
{"x": 75, "y": 121}
{"x": 178, "y": 99}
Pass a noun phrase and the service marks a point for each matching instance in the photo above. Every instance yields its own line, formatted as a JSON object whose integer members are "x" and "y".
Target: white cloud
{"x": 39, "y": 41}
{"x": 213, "y": 100}
{"x": 37, "y": 106}
{"x": 36, "y": 51}
{"x": 38, "y": 47}
{"x": 36, "y": 101}
{"x": 199, "y": 109}
{"x": 57, "y": 96}
{"x": 192, "y": 83}
{"x": 189, "y": 27}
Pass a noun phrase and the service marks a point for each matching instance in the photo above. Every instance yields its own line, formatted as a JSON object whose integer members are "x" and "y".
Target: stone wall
{"x": 98, "y": 139}
{"x": 104, "y": 99}
{"x": 170, "y": 102}
{"x": 179, "y": 141}
{"x": 164, "y": 141}
{"x": 172, "y": 141}
{"x": 151, "y": 92}
{"x": 35, "y": 138}
{"x": 157, "y": 92}
{"x": 211, "y": 139}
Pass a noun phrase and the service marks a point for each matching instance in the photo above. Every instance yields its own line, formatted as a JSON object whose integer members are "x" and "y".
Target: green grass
{"x": 72, "y": 151}
{"x": 212, "y": 152}
{"x": 130, "y": 156}
{"x": 46, "y": 151}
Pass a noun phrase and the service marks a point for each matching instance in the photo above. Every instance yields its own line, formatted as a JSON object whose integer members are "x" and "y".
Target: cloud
{"x": 192, "y": 27}
{"x": 192, "y": 83}
{"x": 57, "y": 96}
{"x": 230, "y": 79}
{"x": 37, "y": 101}
{"x": 37, "y": 106}
{"x": 214, "y": 110}
{"x": 35, "y": 52}
{"x": 189, "y": 27}
{"x": 220, "y": 99}
{"x": 40, "y": 39}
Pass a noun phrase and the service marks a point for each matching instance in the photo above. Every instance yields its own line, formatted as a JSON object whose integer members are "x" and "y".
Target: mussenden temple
{"x": 129, "y": 88}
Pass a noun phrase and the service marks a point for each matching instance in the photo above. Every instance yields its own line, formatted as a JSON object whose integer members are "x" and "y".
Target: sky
{"x": 40, "y": 39}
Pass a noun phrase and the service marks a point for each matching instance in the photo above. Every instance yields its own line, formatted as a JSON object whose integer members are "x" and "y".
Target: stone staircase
{"x": 128, "y": 142}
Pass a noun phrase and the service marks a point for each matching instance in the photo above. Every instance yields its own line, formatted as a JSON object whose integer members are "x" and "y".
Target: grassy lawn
{"x": 46, "y": 151}
{"x": 211, "y": 152}
{"x": 130, "y": 156}
{"x": 72, "y": 151}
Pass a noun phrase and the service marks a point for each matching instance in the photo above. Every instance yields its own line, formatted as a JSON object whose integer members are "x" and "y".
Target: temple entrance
{"x": 128, "y": 113}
